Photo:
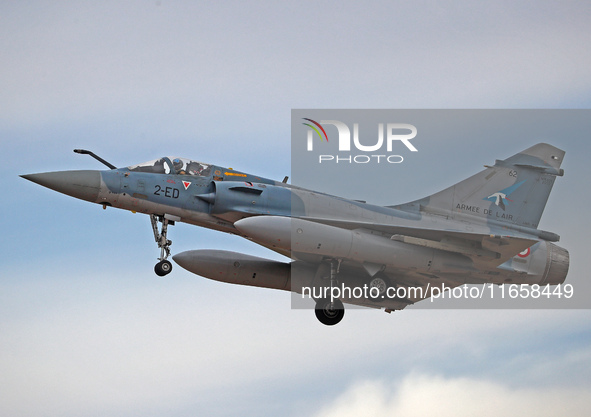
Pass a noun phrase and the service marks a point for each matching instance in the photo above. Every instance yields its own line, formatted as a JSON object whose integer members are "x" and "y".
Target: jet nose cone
{"x": 84, "y": 185}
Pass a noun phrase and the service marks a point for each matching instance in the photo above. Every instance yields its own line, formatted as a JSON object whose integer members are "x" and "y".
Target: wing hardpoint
{"x": 512, "y": 191}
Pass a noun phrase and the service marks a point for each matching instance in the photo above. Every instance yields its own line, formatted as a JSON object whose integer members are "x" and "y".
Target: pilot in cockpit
{"x": 178, "y": 166}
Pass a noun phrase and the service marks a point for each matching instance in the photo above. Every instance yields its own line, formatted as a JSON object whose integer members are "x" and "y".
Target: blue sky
{"x": 86, "y": 326}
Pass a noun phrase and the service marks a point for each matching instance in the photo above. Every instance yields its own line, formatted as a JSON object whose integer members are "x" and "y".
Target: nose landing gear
{"x": 163, "y": 267}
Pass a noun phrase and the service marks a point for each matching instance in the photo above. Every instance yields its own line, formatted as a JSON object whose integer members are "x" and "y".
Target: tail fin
{"x": 514, "y": 190}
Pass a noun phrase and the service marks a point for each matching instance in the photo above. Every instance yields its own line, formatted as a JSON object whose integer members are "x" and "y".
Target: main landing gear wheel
{"x": 377, "y": 287}
{"x": 329, "y": 313}
{"x": 163, "y": 268}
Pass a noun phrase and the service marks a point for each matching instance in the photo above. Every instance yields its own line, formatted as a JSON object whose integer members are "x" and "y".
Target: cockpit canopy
{"x": 173, "y": 166}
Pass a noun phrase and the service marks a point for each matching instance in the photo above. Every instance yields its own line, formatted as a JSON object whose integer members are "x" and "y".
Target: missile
{"x": 236, "y": 268}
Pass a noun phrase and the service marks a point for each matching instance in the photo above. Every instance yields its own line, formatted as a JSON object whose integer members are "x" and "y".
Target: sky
{"x": 86, "y": 327}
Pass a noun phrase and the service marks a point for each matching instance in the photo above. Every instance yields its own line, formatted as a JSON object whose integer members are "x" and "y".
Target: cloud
{"x": 124, "y": 341}
{"x": 181, "y": 60}
{"x": 420, "y": 395}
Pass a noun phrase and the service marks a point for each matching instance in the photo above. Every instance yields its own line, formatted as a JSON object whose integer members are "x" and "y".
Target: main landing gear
{"x": 163, "y": 267}
{"x": 330, "y": 311}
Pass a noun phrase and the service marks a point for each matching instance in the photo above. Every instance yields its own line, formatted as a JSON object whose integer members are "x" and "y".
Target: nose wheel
{"x": 163, "y": 267}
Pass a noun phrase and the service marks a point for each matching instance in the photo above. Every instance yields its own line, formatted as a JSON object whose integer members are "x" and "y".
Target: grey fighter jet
{"x": 483, "y": 230}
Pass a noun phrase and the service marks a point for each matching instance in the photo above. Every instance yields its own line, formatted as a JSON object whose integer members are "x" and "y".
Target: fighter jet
{"x": 469, "y": 233}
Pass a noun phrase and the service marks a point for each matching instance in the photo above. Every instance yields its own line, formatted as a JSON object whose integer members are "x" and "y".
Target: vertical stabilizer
{"x": 514, "y": 190}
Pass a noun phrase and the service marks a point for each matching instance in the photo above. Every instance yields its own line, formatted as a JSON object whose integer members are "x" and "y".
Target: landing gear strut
{"x": 163, "y": 267}
{"x": 330, "y": 311}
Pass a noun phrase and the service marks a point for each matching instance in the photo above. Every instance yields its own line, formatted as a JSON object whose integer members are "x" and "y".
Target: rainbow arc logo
{"x": 315, "y": 127}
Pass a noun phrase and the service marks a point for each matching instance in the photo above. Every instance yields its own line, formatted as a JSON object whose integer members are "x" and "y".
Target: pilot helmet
{"x": 178, "y": 164}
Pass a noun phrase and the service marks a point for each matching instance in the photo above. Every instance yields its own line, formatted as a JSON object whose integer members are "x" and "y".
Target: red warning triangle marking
{"x": 186, "y": 184}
